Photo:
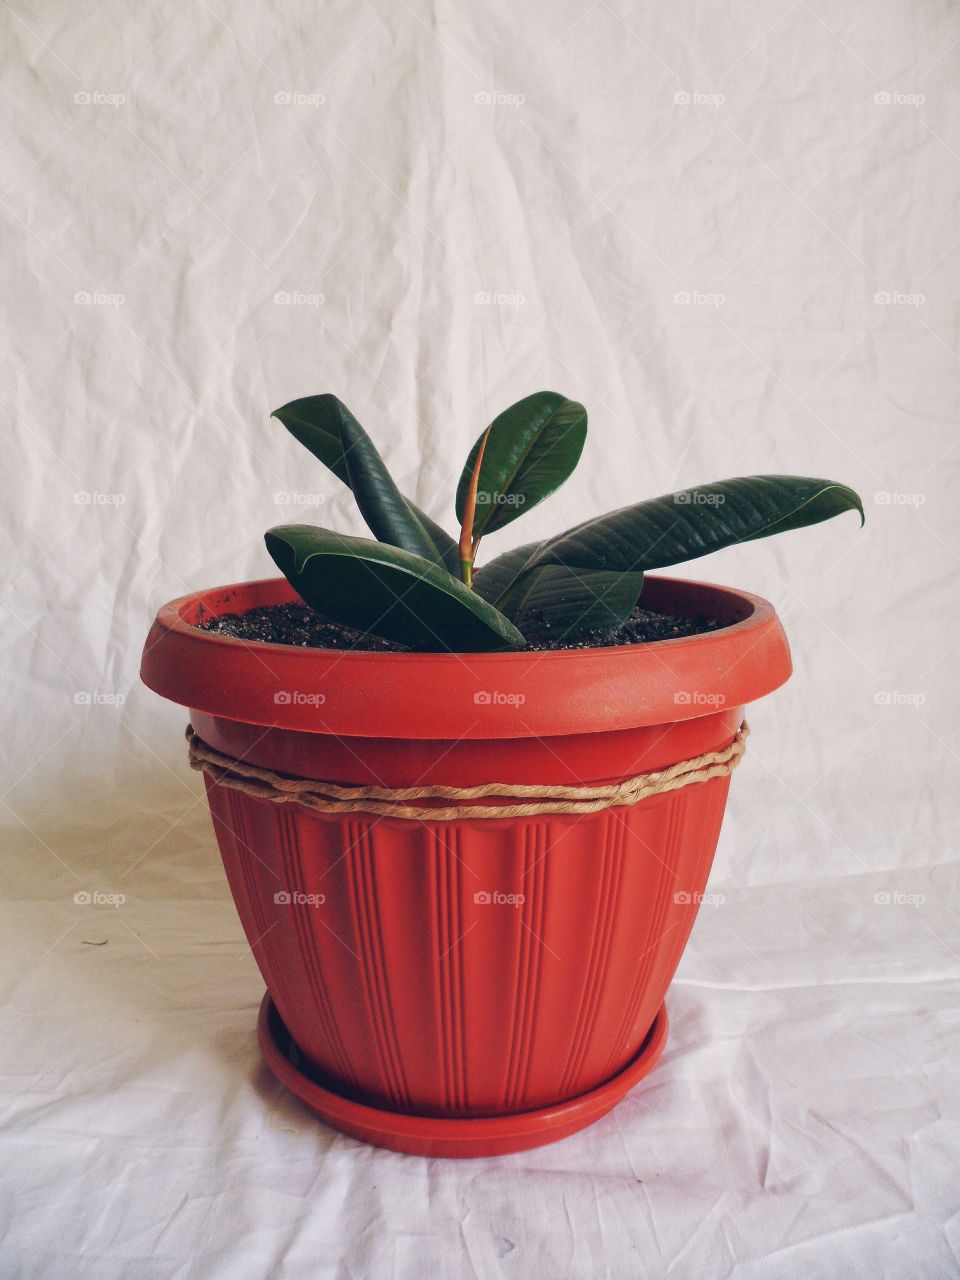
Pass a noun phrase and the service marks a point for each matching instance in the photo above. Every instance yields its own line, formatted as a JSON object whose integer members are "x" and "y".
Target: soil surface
{"x": 295, "y": 624}
{"x": 642, "y": 626}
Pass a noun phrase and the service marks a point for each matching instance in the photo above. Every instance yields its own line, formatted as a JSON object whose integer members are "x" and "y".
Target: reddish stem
{"x": 469, "y": 544}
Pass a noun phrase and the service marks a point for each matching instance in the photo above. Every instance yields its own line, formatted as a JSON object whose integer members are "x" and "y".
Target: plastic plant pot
{"x": 475, "y": 986}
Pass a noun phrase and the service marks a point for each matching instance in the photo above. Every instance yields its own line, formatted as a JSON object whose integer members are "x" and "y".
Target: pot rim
{"x": 432, "y": 695}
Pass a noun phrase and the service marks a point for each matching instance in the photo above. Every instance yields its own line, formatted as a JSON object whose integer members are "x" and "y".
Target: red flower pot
{"x": 472, "y": 986}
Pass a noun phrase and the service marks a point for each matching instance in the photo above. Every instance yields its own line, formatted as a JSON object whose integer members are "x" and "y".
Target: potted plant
{"x": 468, "y": 813}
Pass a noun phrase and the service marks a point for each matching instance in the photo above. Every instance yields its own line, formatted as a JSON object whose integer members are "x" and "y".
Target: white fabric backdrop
{"x": 170, "y": 172}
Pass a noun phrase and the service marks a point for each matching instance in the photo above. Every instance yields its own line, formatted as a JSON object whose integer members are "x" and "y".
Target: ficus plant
{"x": 414, "y": 584}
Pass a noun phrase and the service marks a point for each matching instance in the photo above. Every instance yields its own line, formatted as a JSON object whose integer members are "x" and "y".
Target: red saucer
{"x": 428, "y": 1136}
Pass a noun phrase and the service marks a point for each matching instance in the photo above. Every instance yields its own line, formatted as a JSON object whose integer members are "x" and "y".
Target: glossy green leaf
{"x": 557, "y": 603}
{"x": 386, "y": 591}
{"x": 693, "y": 522}
{"x": 531, "y": 449}
{"x": 315, "y": 422}
{"x": 492, "y": 579}
{"x": 446, "y": 548}
{"x": 325, "y": 426}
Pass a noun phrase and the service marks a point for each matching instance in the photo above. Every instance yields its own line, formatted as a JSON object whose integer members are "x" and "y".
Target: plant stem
{"x": 469, "y": 544}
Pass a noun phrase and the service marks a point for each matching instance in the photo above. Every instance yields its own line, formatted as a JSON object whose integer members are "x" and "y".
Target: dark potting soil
{"x": 642, "y": 626}
{"x": 295, "y": 624}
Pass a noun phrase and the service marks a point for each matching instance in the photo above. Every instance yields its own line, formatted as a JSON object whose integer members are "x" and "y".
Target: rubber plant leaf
{"x": 553, "y": 602}
{"x": 325, "y": 426}
{"x": 386, "y": 591}
{"x": 493, "y": 579}
{"x": 693, "y": 522}
{"x": 531, "y": 448}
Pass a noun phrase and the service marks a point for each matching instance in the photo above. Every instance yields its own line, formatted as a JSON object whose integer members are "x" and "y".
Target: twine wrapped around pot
{"x": 528, "y": 799}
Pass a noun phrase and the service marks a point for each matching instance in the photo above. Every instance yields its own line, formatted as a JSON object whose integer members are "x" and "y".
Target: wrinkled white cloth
{"x": 729, "y": 231}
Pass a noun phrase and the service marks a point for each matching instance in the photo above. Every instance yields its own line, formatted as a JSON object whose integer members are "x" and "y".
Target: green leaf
{"x": 557, "y": 603}
{"x": 492, "y": 579}
{"x": 325, "y": 426}
{"x": 531, "y": 449}
{"x": 315, "y": 422}
{"x": 693, "y": 522}
{"x": 446, "y": 548}
{"x": 386, "y": 591}
{"x": 552, "y": 600}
